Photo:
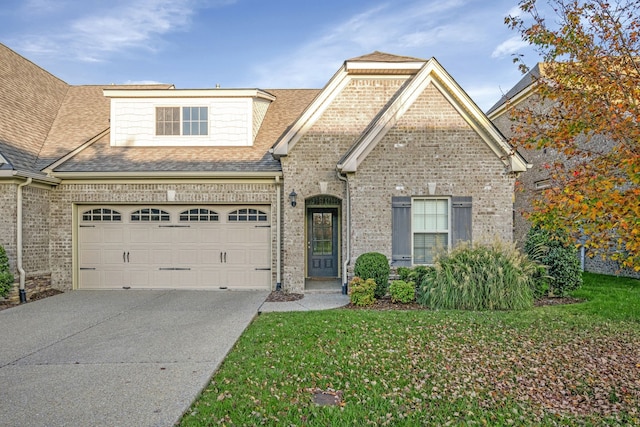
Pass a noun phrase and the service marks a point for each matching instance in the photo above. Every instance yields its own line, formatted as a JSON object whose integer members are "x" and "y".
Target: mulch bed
{"x": 386, "y": 303}
{"x": 33, "y": 297}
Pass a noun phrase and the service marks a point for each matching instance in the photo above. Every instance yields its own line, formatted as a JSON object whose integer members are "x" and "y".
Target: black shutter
{"x": 401, "y": 232}
{"x": 460, "y": 220}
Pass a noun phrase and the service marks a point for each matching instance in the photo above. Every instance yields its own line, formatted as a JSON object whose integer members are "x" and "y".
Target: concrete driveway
{"x": 115, "y": 358}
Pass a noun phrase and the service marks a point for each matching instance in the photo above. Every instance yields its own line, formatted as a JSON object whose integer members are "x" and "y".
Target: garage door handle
{"x": 221, "y": 257}
{"x": 127, "y": 256}
{"x": 225, "y": 257}
{"x": 124, "y": 256}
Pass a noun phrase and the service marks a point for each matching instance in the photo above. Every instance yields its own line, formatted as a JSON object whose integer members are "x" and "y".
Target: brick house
{"x": 538, "y": 178}
{"x": 109, "y": 187}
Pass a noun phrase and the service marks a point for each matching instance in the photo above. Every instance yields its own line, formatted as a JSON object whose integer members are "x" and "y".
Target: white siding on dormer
{"x": 133, "y": 122}
{"x": 260, "y": 107}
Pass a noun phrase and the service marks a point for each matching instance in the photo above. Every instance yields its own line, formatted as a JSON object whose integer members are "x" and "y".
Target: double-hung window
{"x": 430, "y": 228}
{"x": 182, "y": 121}
{"x": 423, "y": 226}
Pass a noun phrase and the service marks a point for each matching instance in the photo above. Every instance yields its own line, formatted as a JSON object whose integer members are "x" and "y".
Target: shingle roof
{"x": 101, "y": 157}
{"x": 377, "y": 56}
{"x": 524, "y": 83}
{"x": 29, "y": 101}
{"x": 84, "y": 113}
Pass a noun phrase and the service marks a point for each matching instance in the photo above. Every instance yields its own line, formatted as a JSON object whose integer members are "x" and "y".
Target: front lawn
{"x": 559, "y": 365}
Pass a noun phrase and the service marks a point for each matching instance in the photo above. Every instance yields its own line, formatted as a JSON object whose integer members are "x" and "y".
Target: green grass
{"x": 561, "y": 365}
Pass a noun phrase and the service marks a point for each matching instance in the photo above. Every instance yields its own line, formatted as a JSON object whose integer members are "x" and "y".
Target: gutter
{"x": 9, "y": 173}
{"x": 278, "y": 237}
{"x": 347, "y": 258}
{"x": 23, "y": 294}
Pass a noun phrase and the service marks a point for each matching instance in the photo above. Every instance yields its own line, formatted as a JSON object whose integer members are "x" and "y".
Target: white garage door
{"x": 188, "y": 247}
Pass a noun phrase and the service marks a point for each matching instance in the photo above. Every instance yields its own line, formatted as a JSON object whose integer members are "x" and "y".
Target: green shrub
{"x": 402, "y": 291}
{"x": 404, "y": 273}
{"x": 6, "y": 278}
{"x": 479, "y": 277}
{"x": 361, "y": 292}
{"x": 374, "y": 265}
{"x": 559, "y": 255}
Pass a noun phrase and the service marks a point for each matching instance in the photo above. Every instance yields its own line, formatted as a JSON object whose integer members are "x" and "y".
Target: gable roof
{"x": 432, "y": 73}
{"x": 30, "y": 98}
{"x": 377, "y": 56}
{"x": 421, "y": 73}
{"x": 383, "y": 63}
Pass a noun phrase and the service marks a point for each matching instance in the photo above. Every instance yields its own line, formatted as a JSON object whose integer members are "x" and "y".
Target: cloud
{"x": 509, "y": 46}
{"x": 408, "y": 28}
{"x": 99, "y": 33}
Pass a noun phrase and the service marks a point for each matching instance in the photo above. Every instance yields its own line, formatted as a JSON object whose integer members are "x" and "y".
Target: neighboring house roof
{"x": 29, "y": 102}
{"x": 101, "y": 157}
{"x": 518, "y": 91}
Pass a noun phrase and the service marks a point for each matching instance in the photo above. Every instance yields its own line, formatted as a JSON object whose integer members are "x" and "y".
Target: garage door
{"x": 187, "y": 247}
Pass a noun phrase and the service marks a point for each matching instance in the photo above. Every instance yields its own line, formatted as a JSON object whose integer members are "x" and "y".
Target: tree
{"x": 588, "y": 114}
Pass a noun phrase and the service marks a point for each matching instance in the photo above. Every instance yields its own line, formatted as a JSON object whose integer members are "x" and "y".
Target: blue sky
{"x": 261, "y": 43}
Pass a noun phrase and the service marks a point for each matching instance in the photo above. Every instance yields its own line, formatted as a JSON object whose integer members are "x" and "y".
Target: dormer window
{"x": 182, "y": 121}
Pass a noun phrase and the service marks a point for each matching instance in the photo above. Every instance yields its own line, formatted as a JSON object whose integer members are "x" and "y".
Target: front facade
{"x": 156, "y": 187}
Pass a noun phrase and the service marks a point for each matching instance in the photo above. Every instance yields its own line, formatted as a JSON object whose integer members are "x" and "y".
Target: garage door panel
{"x": 175, "y": 254}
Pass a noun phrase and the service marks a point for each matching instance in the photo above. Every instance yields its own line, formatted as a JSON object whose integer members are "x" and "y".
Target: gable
{"x": 432, "y": 74}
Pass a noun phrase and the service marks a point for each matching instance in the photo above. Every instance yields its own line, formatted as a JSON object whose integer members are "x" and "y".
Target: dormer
{"x": 186, "y": 117}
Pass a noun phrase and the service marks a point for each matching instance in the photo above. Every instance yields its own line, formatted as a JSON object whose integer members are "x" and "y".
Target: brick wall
{"x": 35, "y": 234}
{"x": 8, "y": 195}
{"x": 314, "y": 158}
{"x": 66, "y": 195}
{"x": 435, "y": 145}
{"x": 431, "y": 143}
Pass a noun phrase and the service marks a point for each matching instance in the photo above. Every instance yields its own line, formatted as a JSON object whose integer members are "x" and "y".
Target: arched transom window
{"x": 198, "y": 214}
{"x": 101, "y": 214}
{"x": 150, "y": 214}
{"x": 247, "y": 215}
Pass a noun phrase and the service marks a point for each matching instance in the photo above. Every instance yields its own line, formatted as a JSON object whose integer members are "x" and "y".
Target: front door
{"x": 322, "y": 242}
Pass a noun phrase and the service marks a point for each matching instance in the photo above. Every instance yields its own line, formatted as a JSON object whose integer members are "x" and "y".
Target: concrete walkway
{"x": 319, "y": 301}
{"x": 115, "y": 358}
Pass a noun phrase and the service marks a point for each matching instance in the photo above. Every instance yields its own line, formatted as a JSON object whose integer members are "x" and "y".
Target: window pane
{"x": 425, "y": 246}
{"x": 166, "y": 119}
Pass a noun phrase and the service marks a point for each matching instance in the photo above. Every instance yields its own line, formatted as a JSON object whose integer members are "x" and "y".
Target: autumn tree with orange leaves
{"x": 588, "y": 113}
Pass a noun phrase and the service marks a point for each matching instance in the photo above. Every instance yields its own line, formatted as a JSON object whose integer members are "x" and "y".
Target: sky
{"x": 266, "y": 44}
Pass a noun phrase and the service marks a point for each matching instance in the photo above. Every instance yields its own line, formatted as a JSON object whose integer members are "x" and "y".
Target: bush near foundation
{"x": 403, "y": 292}
{"x": 374, "y": 265}
{"x": 480, "y": 277}
{"x": 6, "y": 278}
{"x": 361, "y": 292}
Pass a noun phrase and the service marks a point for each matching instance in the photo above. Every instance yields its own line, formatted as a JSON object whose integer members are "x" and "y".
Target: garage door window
{"x": 247, "y": 215}
{"x": 150, "y": 214}
{"x": 196, "y": 214}
{"x": 101, "y": 214}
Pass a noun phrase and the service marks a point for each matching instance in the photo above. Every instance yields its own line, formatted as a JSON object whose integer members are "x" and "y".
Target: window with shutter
{"x": 422, "y": 226}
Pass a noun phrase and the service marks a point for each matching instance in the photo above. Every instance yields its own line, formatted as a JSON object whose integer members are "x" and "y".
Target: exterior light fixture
{"x": 293, "y": 196}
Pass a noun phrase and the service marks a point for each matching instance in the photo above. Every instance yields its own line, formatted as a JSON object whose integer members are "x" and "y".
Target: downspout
{"x": 347, "y": 258}
{"x": 278, "y": 237}
{"x": 23, "y": 294}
